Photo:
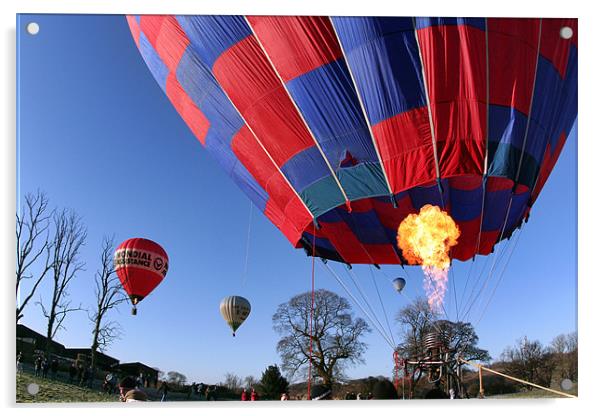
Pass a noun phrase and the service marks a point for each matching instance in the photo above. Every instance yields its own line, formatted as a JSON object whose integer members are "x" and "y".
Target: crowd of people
{"x": 43, "y": 366}
{"x": 207, "y": 392}
{"x": 245, "y": 396}
{"x": 79, "y": 374}
{"x": 132, "y": 389}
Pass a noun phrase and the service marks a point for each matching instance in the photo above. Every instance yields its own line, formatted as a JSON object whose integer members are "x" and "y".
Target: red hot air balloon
{"x": 141, "y": 265}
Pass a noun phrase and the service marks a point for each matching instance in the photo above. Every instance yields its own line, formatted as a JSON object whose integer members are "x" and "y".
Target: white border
{"x": 588, "y": 209}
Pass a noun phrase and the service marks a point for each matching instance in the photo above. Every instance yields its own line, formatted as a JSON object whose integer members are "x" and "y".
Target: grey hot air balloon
{"x": 235, "y": 309}
{"x": 399, "y": 284}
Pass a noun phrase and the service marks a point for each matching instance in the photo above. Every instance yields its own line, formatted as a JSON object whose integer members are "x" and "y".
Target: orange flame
{"x": 426, "y": 239}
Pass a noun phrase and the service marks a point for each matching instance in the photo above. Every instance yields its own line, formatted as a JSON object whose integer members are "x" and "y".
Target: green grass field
{"x": 535, "y": 394}
{"x": 57, "y": 391}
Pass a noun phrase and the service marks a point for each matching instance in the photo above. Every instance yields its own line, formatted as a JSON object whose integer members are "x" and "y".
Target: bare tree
{"x": 529, "y": 360}
{"x": 573, "y": 356}
{"x": 417, "y": 320}
{"x": 559, "y": 344}
{"x": 250, "y": 381}
{"x": 160, "y": 374}
{"x": 564, "y": 349}
{"x": 336, "y": 335}
{"x": 108, "y": 294}
{"x": 69, "y": 237}
{"x": 32, "y": 244}
{"x": 572, "y": 341}
{"x": 232, "y": 382}
{"x": 176, "y": 378}
{"x": 564, "y": 343}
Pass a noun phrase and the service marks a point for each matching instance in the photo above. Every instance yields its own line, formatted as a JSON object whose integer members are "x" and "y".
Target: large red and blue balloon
{"x": 338, "y": 128}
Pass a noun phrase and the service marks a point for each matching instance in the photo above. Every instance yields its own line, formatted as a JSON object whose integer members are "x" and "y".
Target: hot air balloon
{"x": 338, "y": 128}
{"x": 141, "y": 265}
{"x": 399, "y": 283}
{"x": 234, "y": 310}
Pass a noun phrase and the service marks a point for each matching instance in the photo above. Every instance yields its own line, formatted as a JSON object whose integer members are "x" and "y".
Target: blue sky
{"x": 98, "y": 135}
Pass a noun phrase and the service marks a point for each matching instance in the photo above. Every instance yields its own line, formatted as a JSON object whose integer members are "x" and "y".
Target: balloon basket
{"x": 134, "y": 311}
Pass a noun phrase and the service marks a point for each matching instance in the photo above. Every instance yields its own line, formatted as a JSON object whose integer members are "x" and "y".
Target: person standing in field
{"x": 201, "y": 389}
{"x": 111, "y": 379}
{"x": 83, "y": 382}
{"x": 243, "y": 396}
{"x": 91, "y": 376}
{"x": 38, "y": 366}
{"x": 210, "y": 393}
{"x": 72, "y": 372}
{"x": 54, "y": 368}
{"x": 163, "y": 390}
{"x": 45, "y": 367}
{"x": 192, "y": 390}
{"x": 253, "y": 395}
{"x": 19, "y": 363}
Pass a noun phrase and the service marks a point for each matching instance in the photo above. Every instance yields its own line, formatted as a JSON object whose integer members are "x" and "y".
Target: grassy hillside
{"x": 57, "y": 391}
{"x": 536, "y": 394}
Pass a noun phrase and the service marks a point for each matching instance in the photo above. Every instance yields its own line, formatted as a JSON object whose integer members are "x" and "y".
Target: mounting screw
{"x": 33, "y": 388}
{"x": 33, "y": 28}
{"x": 566, "y": 32}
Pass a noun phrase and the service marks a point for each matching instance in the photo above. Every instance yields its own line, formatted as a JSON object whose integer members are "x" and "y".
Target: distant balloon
{"x": 141, "y": 265}
{"x": 399, "y": 284}
{"x": 235, "y": 309}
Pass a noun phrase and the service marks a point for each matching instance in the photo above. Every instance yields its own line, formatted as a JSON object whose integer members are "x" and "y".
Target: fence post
{"x": 481, "y": 389}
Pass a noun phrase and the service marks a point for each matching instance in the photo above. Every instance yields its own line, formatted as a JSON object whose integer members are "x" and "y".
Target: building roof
{"x": 137, "y": 365}
{"x": 26, "y": 332}
{"x": 88, "y": 351}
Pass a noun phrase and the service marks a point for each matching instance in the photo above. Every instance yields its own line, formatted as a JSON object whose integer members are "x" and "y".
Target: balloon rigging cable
{"x": 245, "y": 271}
{"x": 381, "y": 303}
{"x": 311, "y": 314}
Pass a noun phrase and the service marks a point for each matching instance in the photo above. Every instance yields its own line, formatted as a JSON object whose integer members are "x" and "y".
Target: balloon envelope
{"x": 353, "y": 123}
{"x": 235, "y": 310}
{"x": 141, "y": 265}
{"x": 399, "y": 284}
